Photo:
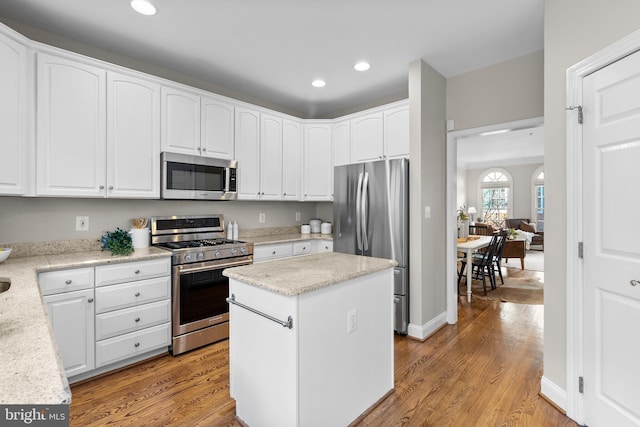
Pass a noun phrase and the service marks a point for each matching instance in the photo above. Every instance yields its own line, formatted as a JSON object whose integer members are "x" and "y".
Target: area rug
{"x": 533, "y": 260}
{"x": 520, "y": 290}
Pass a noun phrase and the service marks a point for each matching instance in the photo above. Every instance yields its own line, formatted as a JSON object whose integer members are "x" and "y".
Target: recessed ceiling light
{"x": 362, "y": 66}
{"x": 144, "y": 7}
{"x": 318, "y": 83}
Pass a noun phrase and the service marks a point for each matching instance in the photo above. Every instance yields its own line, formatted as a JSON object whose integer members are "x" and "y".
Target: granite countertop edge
{"x": 307, "y": 273}
{"x": 285, "y": 238}
{"x": 34, "y": 372}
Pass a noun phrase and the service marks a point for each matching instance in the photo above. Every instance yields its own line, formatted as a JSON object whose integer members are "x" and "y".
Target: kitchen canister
{"x": 325, "y": 228}
{"x": 315, "y": 225}
{"x": 305, "y": 229}
{"x": 139, "y": 238}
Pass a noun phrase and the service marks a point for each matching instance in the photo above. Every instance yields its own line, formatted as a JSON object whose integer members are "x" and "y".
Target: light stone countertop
{"x": 32, "y": 371}
{"x": 306, "y": 273}
{"x": 285, "y": 238}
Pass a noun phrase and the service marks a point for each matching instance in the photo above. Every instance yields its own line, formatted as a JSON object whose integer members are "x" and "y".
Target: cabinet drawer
{"x": 301, "y": 248}
{"x": 323, "y": 246}
{"x": 126, "y": 272}
{"x": 132, "y": 319}
{"x": 269, "y": 252}
{"x": 53, "y": 282}
{"x": 125, "y": 295}
{"x": 129, "y": 345}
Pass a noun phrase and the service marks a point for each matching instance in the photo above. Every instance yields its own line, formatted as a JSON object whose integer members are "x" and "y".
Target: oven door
{"x": 199, "y": 295}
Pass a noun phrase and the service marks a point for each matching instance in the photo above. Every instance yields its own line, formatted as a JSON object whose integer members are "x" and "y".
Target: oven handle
{"x": 200, "y": 267}
{"x": 287, "y": 324}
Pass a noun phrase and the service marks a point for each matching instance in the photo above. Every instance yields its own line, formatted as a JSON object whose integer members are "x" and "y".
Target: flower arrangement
{"x": 462, "y": 215}
{"x": 512, "y": 233}
{"x": 118, "y": 242}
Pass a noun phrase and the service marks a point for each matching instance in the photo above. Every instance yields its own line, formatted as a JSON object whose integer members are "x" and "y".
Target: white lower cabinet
{"x": 274, "y": 251}
{"x": 323, "y": 246}
{"x": 108, "y": 314}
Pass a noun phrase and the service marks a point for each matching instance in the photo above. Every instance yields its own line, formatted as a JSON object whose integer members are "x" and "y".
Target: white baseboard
{"x": 554, "y": 393}
{"x": 422, "y": 332}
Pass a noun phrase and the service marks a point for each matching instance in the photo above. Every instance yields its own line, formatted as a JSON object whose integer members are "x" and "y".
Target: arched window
{"x": 495, "y": 193}
{"x": 538, "y": 203}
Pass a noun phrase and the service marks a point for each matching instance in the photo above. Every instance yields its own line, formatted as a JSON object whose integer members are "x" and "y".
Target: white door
{"x": 270, "y": 157}
{"x": 247, "y": 147}
{"x": 318, "y": 163}
{"x": 217, "y": 129}
{"x": 611, "y": 155}
{"x": 180, "y": 121}
{"x": 291, "y": 160}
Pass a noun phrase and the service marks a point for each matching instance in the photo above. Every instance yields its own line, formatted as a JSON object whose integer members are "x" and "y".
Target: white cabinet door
{"x": 133, "y": 140}
{"x": 15, "y": 146}
{"x": 366, "y": 138}
{"x": 396, "y": 132}
{"x": 217, "y": 128}
{"x": 341, "y": 138}
{"x": 318, "y": 168}
{"x": 247, "y": 141}
{"x": 72, "y": 319}
{"x": 71, "y": 138}
{"x": 180, "y": 121}
{"x": 291, "y": 160}
{"x": 270, "y": 157}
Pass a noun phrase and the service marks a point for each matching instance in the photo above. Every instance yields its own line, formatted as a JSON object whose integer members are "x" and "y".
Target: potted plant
{"x": 463, "y": 222}
{"x": 512, "y": 233}
{"x": 118, "y": 242}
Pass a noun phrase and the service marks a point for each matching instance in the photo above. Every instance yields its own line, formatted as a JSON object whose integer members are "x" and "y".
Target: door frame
{"x": 574, "y": 229}
{"x": 451, "y": 203}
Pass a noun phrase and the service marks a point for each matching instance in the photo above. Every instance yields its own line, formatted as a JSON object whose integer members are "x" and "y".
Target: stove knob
{"x": 217, "y": 254}
{"x": 234, "y": 251}
{"x": 243, "y": 250}
{"x": 200, "y": 255}
{"x": 188, "y": 258}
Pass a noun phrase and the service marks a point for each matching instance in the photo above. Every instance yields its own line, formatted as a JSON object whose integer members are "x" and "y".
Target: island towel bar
{"x": 287, "y": 324}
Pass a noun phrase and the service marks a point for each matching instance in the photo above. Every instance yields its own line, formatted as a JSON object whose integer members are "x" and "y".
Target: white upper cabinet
{"x": 396, "y": 131}
{"x": 16, "y": 143}
{"x": 270, "y": 157}
{"x": 216, "y": 135}
{"x": 133, "y": 132}
{"x": 318, "y": 167}
{"x": 180, "y": 121}
{"x": 367, "y": 138}
{"x": 341, "y": 137}
{"x": 71, "y": 137}
{"x": 291, "y": 160}
{"x": 247, "y": 147}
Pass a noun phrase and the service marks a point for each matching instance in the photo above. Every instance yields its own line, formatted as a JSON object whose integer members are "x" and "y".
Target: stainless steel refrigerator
{"x": 371, "y": 218}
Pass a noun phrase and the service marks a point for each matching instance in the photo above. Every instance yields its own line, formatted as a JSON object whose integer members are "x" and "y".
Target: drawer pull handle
{"x": 137, "y": 344}
{"x": 90, "y": 300}
{"x": 68, "y": 281}
{"x": 137, "y": 319}
{"x": 137, "y": 272}
{"x": 273, "y": 253}
{"x": 137, "y": 294}
{"x": 634, "y": 282}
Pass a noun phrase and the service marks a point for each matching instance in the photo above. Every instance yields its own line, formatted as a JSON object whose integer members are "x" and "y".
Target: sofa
{"x": 514, "y": 249}
{"x": 524, "y": 224}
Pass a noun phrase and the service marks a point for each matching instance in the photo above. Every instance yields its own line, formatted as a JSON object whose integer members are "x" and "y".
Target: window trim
{"x": 481, "y": 187}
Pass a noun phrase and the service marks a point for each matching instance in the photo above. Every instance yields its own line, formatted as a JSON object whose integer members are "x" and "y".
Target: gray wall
{"x": 500, "y": 93}
{"x": 26, "y": 219}
{"x": 574, "y": 30}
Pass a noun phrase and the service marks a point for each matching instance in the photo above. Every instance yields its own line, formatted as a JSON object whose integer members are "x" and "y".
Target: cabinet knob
{"x": 102, "y": 187}
{"x": 137, "y": 344}
{"x": 204, "y": 149}
{"x": 111, "y": 187}
{"x": 137, "y": 319}
{"x": 273, "y": 253}
{"x": 90, "y": 300}
{"x": 137, "y": 294}
{"x": 634, "y": 283}
{"x": 284, "y": 194}
{"x": 137, "y": 272}
{"x": 199, "y": 149}
{"x": 68, "y": 281}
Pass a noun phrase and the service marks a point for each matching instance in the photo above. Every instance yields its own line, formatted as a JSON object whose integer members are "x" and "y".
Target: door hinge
{"x": 580, "y": 250}
{"x": 579, "y": 108}
{"x": 581, "y": 384}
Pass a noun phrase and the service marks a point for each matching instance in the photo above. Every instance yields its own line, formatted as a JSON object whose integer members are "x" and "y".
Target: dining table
{"x": 469, "y": 245}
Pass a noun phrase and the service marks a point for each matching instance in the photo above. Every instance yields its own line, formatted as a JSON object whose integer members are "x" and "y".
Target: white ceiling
{"x": 273, "y": 49}
{"x": 515, "y": 147}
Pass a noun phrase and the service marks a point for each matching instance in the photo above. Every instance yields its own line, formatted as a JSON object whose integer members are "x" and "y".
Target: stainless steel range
{"x": 200, "y": 313}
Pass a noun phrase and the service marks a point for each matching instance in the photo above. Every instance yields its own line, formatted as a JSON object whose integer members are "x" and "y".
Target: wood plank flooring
{"x": 483, "y": 371}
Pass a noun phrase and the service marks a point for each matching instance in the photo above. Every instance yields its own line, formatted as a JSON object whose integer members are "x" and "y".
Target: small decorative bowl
{"x": 4, "y": 253}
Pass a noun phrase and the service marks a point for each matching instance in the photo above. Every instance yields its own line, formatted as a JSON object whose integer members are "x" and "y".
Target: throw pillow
{"x": 530, "y": 227}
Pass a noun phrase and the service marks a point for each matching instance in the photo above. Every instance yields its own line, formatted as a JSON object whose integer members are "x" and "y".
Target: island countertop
{"x": 300, "y": 274}
{"x": 32, "y": 370}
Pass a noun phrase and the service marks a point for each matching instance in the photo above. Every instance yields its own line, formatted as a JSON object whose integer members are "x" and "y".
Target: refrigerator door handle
{"x": 358, "y": 212}
{"x": 365, "y": 221}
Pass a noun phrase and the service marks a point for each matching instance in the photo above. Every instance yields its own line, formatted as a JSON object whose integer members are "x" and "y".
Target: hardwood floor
{"x": 483, "y": 371}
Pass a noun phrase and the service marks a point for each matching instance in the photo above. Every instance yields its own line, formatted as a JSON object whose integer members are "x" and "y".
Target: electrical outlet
{"x": 262, "y": 217}
{"x": 82, "y": 223}
{"x": 297, "y": 216}
{"x": 352, "y": 321}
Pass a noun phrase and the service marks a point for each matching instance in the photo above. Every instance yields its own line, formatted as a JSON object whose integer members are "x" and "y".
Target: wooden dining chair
{"x": 482, "y": 265}
{"x": 497, "y": 256}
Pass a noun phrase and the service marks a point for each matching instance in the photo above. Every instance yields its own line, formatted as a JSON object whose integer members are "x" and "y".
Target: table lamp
{"x": 472, "y": 211}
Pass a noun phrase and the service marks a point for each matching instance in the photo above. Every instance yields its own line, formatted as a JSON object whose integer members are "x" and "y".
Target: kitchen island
{"x": 311, "y": 339}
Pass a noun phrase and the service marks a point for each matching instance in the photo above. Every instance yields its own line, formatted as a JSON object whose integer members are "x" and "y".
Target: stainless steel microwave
{"x": 198, "y": 178}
